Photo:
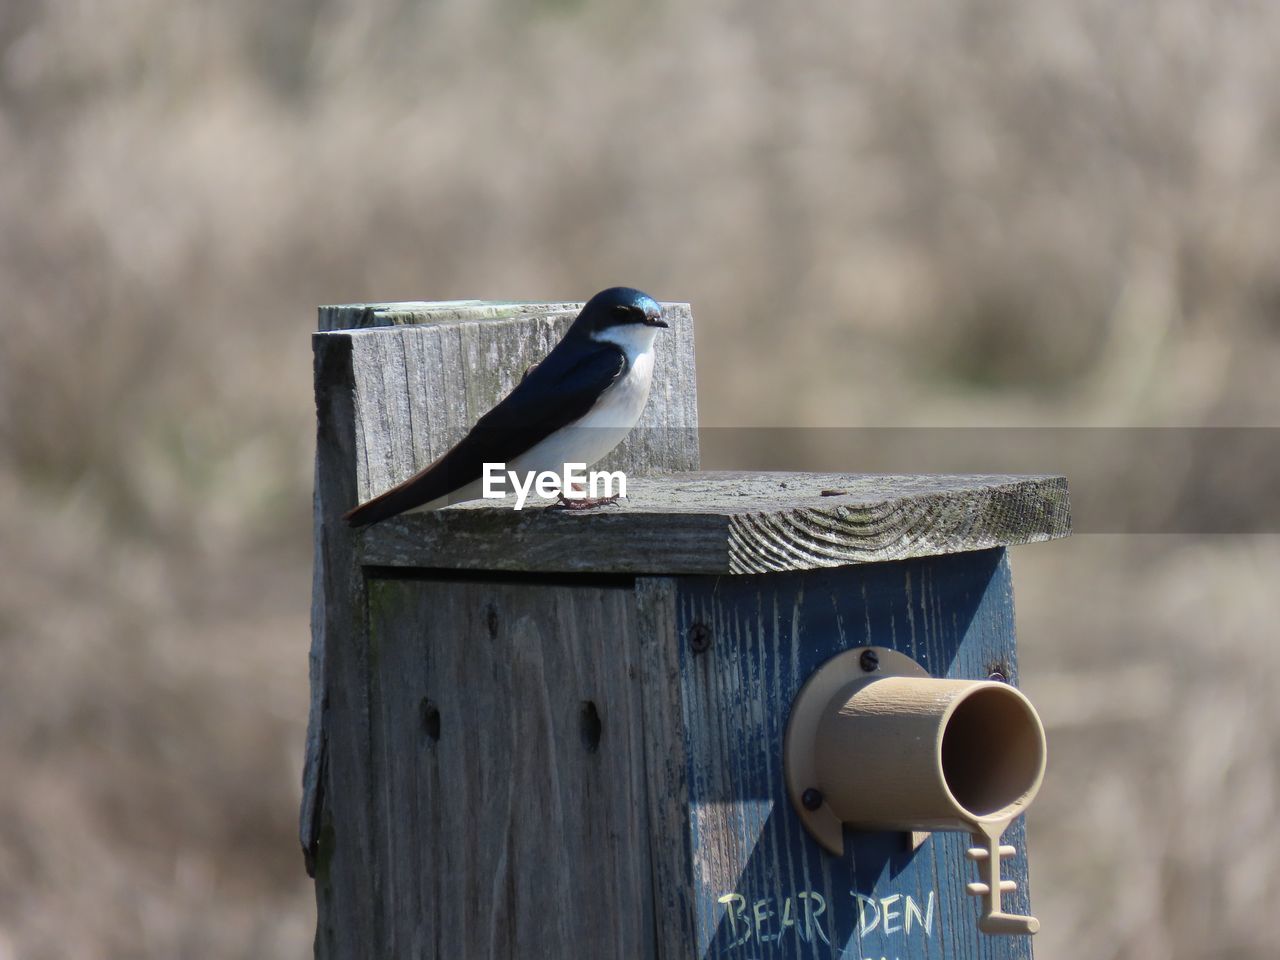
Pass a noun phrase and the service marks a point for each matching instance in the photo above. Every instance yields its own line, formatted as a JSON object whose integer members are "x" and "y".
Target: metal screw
{"x": 699, "y": 638}
{"x": 869, "y": 661}
{"x": 997, "y": 676}
{"x": 811, "y": 799}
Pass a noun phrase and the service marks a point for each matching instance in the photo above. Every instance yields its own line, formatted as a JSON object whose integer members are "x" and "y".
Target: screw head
{"x": 699, "y": 638}
{"x": 869, "y": 661}
{"x": 997, "y": 676}
{"x": 811, "y": 799}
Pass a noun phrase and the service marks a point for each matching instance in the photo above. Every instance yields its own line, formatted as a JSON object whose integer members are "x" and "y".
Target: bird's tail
{"x": 406, "y": 498}
{"x": 394, "y": 501}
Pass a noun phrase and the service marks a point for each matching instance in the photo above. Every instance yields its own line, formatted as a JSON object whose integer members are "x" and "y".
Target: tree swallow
{"x": 573, "y": 407}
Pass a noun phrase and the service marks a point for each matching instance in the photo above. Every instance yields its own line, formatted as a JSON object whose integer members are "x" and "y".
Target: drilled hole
{"x": 430, "y": 716}
{"x": 590, "y": 726}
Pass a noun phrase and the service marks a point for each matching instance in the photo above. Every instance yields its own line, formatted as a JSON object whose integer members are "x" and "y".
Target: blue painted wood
{"x": 763, "y": 889}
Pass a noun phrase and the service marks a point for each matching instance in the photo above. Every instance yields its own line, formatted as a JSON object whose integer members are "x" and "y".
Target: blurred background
{"x": 950, "y": 213}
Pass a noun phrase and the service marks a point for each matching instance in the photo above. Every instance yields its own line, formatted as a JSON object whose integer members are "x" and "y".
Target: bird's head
{"x": 622, "y": 316}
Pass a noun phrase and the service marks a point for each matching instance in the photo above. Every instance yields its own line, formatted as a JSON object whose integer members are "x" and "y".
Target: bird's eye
{"x": 623, "y": 309}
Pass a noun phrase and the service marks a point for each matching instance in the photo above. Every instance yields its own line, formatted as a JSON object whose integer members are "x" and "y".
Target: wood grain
{"x": 766, "y": 635}
{"x": 335, "y": 826}
{"x": 508, "y": 771}
{"x": 733, "y": 523}
{"x": 672, "y": 858}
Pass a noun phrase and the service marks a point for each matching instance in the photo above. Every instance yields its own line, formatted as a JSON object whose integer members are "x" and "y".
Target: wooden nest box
{"x": 547, "y": 733}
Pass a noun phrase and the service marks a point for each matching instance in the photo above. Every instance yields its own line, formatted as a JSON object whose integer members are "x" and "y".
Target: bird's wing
{"x": 555, "y": 393}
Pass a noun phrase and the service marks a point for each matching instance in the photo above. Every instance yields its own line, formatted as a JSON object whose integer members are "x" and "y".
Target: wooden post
{"x": 552, "y": 733}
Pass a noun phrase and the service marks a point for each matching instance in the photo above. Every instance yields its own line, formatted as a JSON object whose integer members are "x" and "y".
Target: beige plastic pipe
{"x": 892, "y": 748}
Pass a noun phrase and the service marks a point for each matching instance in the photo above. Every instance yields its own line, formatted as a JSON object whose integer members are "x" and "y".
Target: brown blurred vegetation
{"x": 977, "y": 212}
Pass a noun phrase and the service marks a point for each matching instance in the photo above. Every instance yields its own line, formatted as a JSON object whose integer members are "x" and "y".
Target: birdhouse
{"x": 732, "y": 715}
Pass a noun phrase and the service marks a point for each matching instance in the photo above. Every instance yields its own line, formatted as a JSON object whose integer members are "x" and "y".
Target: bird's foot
{"x": 582, "y": 503}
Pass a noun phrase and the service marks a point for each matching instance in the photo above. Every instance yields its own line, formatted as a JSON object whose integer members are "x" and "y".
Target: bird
{"x": 574, "y": 406}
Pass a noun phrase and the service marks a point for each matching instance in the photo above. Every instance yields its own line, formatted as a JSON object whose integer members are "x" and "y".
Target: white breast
{"x": 588, "y": 439}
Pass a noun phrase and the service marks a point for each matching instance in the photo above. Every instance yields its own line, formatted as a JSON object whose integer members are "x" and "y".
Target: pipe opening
{"x": 992, "y": 752}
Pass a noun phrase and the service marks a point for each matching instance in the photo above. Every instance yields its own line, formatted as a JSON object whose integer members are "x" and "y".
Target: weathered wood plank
{"x": 364, "y": 316}
{"x": 765, "y": 635}
{"x": 733, "y": 523}
{"x": 335, "y": 827}
{"x": 396, "y": 385}
{"x": 671, "y": 856}
{"x": 508, "y": 771}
